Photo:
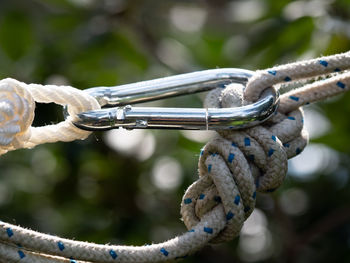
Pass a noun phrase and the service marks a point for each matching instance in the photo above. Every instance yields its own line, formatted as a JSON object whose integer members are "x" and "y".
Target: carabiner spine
{"x": 143, "y": 117}
{"x": 180, "y": 118}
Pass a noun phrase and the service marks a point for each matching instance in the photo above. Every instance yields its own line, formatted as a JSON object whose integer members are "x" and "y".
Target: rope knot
{"x": 16, "y": 113}
{"x": 234, "y": 165}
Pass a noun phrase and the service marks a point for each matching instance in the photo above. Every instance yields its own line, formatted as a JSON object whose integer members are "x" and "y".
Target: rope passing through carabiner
{"x": 233, "y": 166}
{"x": 176, "y": 118}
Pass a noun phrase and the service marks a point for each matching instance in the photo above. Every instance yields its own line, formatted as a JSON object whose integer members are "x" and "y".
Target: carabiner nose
{"x": 176, "y": 118}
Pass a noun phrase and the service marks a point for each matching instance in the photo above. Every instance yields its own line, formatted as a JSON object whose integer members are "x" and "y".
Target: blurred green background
{"x": 125, "y": 187}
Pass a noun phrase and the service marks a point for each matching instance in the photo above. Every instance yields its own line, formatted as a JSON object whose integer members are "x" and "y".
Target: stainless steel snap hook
{"x": 176, "y": 118}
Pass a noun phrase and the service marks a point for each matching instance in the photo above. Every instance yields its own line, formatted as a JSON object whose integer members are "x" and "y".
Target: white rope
{"x": 17, "y": 104}
{"x": 232, "y": 167}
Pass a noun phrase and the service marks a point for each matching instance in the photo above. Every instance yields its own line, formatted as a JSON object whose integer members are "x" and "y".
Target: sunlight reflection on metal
{"x": 136, "y": 143}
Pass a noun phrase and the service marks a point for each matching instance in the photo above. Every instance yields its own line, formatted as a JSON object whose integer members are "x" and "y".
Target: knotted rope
{"x": 233, "y": 166}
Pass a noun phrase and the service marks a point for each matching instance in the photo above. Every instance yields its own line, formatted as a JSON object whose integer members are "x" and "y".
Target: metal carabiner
{"x": 175, "y": 118}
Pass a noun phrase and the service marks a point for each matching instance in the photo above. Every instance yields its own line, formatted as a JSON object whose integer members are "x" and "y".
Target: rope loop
{"x": 292, "y": 72}
{"x": 16, "y": 114}
{"x": 17, "y": 104}
{"x": 234, "y": 165}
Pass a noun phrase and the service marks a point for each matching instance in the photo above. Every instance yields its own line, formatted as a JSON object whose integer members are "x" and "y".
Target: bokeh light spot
{"x": 255, "y": 224}
{"x": 294, "y": 201}
{"x": 246, "y": 11}
{"x": 188, "y": 18}
{"x": 297, "y": 9}
{"x": 174, "y": 54}
{"x": 316, "y": 123}
{"x": 314, "y": 159}
{"x": 167, "y": 173}
{"x": 43, "y": 162}
{"x": 198, "y": 136}
{"x": 137, "y": 143}
{"x": 255, "y": 241}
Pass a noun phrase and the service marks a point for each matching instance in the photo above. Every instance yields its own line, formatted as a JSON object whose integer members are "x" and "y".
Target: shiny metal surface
{"x": 176, "y": 118}
{"x": 169, "y": 86}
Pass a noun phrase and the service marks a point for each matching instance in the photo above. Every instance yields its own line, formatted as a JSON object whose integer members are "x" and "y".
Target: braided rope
{"x": 233, "y": 166}
{"x": 17, "y": 104}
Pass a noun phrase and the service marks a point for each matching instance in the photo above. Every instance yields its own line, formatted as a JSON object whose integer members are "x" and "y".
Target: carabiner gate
{"x": 176, "y": 118}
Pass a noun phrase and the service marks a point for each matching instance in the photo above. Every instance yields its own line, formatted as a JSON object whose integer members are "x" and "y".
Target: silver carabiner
{"x": 175, "y": 118}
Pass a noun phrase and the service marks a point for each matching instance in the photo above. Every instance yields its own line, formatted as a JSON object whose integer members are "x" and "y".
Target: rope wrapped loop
{"x": 234, "y": 165}
{"x": 16, "y": 114}
{"x": 17, "y": 105}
